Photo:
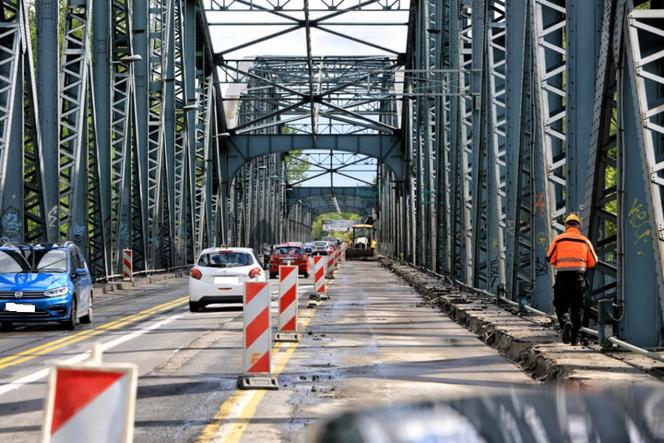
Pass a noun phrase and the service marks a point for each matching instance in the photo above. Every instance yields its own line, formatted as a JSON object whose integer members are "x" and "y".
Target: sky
{"x": 227, "y": 36}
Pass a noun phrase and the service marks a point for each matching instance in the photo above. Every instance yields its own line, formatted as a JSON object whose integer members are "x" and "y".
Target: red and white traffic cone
{"x": 287, "y": 304}
{"x": 257, "y": 346}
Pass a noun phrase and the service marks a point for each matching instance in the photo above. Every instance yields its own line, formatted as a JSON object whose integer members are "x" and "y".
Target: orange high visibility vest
{"x": 571, "y": 251}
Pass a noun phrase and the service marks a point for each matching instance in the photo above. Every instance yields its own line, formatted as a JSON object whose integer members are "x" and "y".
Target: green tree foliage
{"x": 296, "y": 169}
{"x": 317, "y": 232}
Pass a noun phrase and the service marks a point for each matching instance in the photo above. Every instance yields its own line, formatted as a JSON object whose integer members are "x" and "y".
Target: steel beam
{"x": 243, "y": 148}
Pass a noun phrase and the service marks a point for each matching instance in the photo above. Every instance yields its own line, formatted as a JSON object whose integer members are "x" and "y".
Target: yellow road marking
{"x": 60, "y": 343}
{"x": 249, "y": 409}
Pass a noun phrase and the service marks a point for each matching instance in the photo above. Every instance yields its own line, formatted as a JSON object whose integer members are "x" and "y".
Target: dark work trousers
{"x": 568, "y": 292}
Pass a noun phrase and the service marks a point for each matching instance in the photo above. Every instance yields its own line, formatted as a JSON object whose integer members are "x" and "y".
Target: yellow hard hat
{"x": 573, "y": 217}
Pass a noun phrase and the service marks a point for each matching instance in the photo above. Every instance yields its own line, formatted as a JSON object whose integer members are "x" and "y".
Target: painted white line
{"x": 42, "y": 373}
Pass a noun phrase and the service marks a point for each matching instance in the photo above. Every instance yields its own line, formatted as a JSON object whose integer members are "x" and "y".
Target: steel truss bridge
{"x": 125, "y": 124}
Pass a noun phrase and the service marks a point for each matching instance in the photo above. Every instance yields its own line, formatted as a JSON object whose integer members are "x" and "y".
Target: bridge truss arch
{"x": 490, "y": 122}
{"x": 361, "y": 200}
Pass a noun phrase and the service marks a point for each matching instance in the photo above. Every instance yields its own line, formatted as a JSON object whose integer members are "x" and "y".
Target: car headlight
{"x": 57, "y": 292}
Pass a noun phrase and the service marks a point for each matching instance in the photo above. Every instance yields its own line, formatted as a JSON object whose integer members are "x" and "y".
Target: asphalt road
{"x": 373, "y": 341}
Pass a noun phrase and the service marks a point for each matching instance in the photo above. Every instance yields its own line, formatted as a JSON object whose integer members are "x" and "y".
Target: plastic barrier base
{"x": 287, "y": 337}
{"x": 257, "y": 382}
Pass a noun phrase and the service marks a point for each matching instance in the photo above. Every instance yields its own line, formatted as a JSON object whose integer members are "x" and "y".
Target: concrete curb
{"x": 139, "y": 282}
{"x": 531, "y": 342}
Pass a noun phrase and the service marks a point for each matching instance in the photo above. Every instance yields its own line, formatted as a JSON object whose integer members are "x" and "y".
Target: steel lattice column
{"x": 72, "y": 131}
{"x": 642, "y": 215}
{"x": 21, "y": 202}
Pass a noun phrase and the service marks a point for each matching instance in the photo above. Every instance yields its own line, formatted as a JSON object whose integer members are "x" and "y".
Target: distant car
{"x": 289, "y": 254}
{"x": 308, "y": 248}
{"x": 220, "y": 274}
{"x": 321, "y": 247}
{"x": 44, "y": 283}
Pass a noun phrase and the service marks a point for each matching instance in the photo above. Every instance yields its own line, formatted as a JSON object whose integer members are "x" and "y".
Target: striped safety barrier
{"x": 90, "y": 401}
{"x": 329, "y": 266}
{"x": 257, "y": 346}
{"x": 287, "y": 327}
{"x": 319, "y": 276}
{"x": 127, "y": 265}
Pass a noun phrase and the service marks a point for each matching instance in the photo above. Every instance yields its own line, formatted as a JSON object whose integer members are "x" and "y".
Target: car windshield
{"x": 225, "y": 259}
{"x": 33, "y": 260}
{"x": 288, "y": 250}
{"x": 362, "y": 232}
{"x": 320, "y": 244}
{"x": 12, "y": 262}
{"x": 54, "y": 260}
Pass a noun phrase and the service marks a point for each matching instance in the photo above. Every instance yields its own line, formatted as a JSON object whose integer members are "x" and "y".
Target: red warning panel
{"x": 90, "y": 403}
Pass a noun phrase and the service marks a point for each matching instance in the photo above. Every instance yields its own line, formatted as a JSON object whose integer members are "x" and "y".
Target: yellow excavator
{"x": 362, "y": 241}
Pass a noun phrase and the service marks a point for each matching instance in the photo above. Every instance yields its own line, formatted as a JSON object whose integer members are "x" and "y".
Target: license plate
{"x": 225, "y": 280}
{"x": 14, "y": 307}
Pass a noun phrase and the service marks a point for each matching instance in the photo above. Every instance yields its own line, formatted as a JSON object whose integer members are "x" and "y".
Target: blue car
{"x": 44, "y": 283}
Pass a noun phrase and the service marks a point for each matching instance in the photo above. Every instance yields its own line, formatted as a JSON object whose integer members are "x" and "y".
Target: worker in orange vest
{"x": 571, "y": 254}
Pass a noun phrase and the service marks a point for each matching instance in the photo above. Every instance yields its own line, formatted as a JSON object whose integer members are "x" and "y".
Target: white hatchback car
{"x": 220, "y": 274}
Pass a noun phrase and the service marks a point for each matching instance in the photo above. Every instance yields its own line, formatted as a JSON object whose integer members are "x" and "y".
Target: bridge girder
{"x": 362, "y": 200}
{"x": 243, "y": 148}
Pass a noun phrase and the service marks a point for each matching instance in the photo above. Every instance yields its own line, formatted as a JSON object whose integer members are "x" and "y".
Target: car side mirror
{"x": 82, "y": 272}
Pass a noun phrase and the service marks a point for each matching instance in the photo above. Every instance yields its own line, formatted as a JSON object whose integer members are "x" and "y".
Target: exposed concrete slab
{"x": 375, "y": 342}
{"x": 530, "y": 341}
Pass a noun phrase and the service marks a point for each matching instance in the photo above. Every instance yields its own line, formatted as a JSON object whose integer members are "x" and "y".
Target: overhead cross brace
{"x": 243, "y": 148}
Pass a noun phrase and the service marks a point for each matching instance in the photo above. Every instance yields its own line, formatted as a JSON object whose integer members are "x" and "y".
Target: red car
{"x": 289, "y": 254}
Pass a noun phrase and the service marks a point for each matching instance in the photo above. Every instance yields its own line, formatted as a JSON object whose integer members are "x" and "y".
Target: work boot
{"x": 567, "y": 332}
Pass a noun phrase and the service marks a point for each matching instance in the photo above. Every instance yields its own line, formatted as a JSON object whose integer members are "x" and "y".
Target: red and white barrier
{"x": 287, "y": 326}
{"x": 329, "y": 266}
{"x": 319, "y": 276}
{"x": 257, "y": 358}
{"x": 127, "y": 265}
{"x": 90, "y": 402}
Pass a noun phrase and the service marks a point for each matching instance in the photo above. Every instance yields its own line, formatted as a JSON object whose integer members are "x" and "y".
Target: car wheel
{"x": 73, "y": 316}
{"x": 194, "y": 306}
{"x": 273, "y": 275}
{"x": 87, "y": 319}
{"x": 305, "y": 275}
{"x": 6, "y": 326}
